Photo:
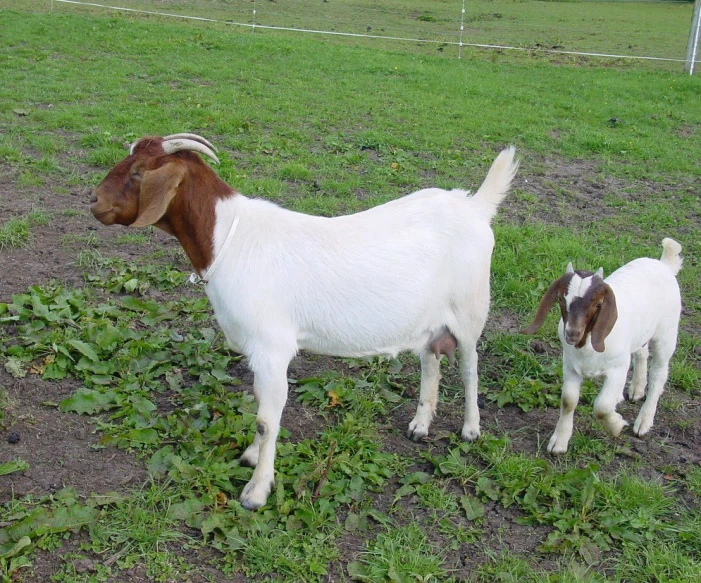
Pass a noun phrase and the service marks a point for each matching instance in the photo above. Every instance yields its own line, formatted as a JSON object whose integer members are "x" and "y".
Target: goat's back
{"x": 647, "y": 298}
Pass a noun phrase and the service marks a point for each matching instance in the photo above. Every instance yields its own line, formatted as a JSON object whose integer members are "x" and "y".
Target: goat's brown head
{"x": 138, "y": 190}
{"x": 162, "y": 182}
{"x": 587, "y": 305}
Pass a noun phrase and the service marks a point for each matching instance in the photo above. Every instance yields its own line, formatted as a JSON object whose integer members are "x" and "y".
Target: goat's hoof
{"x": 469, "y": 434}
{"x": 616, "y": 427}
{"x": 641, "y": 427}
{"x": 557, "y": 446}
{"x": 635, "y": 394}
{"x": 254, "y": 495}
{"x": 417, "y": 431}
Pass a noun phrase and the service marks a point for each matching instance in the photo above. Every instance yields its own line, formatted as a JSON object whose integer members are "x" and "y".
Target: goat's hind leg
{"x": 428, "y": 397}
{"x": 468, "y": 371}
{"x": 636, "y": 388}
{"x": 659, "y": 369}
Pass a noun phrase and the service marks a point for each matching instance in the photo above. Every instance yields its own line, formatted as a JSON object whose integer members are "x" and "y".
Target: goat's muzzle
{"x": 573, "y": 337}
{"x": 101, "y": 211}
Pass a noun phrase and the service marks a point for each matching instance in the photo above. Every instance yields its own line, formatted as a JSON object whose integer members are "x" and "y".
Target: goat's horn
{"x": 195, "y": 137}
{"x": 178, "y": 145}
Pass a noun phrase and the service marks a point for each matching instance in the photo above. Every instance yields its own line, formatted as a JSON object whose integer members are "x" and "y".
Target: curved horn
{"x": 195, "y": 137}
{"x": 178, "y": 145}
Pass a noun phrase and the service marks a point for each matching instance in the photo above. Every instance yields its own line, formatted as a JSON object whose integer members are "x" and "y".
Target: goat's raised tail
{"x": 496, "y": 186}
{"x": 670, "y": 255}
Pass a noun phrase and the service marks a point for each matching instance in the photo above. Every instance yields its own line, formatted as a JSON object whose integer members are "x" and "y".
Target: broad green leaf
{"x": 87, "y": 401}
{"x": 85, "y": 349}
{"x": 146, "y": 436}
{"x": 17, "y": 465}
{"x": 16, "y": 548}
{"x": 474, "y": 509}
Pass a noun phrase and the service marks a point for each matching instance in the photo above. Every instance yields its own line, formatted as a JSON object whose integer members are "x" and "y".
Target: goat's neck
{"x": 192, "y": 220}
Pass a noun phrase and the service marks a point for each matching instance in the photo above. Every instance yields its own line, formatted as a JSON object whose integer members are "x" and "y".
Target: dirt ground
{"x": 59, "y": 447}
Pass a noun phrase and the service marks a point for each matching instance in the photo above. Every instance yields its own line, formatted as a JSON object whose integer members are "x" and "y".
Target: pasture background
{"x": 123, "y": 414}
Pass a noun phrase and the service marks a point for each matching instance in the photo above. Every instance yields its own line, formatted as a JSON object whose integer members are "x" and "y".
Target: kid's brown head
{"x": 587, "y": 305}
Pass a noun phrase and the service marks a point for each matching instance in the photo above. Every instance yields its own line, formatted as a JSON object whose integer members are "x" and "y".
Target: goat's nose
{"x": 93, "y": 198}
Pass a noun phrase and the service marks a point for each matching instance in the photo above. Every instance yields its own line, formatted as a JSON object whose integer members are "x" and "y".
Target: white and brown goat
{"x": 411, "y": 274}
{"x": 635, "y": 311}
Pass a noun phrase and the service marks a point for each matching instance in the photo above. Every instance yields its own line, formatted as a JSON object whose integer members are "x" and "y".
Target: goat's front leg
{"x": 428, "y": 397}
{"x": 636, "y": 388}
{"x": 270, "y": 388}
{"x": 468, "y": 370}
{"x": 611, "y": 394}
{"x": 571, "y": 385}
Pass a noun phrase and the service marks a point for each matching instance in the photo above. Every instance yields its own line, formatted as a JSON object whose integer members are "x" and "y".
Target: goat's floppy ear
{"x": 158, "y": 187}
{"x": 600, "y": 272}
{"x": 545, "y": 304}
{"x": 608, "y": 313}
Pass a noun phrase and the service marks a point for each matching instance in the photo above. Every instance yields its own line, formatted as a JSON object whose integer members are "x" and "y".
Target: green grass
{"x": 327, "y": 126}
{"x": 619, "y": 28}
{"x": 17, "y": 232}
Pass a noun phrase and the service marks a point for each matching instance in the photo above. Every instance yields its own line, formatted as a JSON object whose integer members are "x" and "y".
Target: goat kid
{"x": 635, "y": 311}
{"x": 411, "y": 274}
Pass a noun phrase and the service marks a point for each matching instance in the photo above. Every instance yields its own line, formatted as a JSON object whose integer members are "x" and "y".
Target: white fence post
{"x": 692, "y": 46}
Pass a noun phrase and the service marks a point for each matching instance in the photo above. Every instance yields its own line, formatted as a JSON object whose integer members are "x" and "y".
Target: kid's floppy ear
{"x": 547, "y": 302}
{"x": 158, "y": 187}
{"x": 605, "y": 320}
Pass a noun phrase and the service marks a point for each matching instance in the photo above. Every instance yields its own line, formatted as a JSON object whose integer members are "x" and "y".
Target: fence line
{"x": 459, "y": 43}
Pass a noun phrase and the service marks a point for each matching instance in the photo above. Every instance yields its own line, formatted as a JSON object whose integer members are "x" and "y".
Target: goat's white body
{"x": 379, "y": 282}
{"x": 648, "y": 302}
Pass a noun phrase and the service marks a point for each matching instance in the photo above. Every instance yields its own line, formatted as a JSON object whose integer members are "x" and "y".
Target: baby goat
{"x": 411, "y": 274}
{"x": 634, "y": 311}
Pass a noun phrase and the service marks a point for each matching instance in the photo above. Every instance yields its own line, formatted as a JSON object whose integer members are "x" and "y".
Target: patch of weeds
{"x": 118, "y": 276}
{"x": 528, "y": 381}
{"x": 31, "y": 524}
{"x": 89, "y": 259}
{"x": 658, "y": 561}
{"x": 4, "y": 407}
{"x": 16, "y": 232}
{"x": 589, "y": 514}
{"x": 450, "y": 513}
{"x": 599, "y": 447}
{"x": 399, "y": 554}
{"x": 71, "y": 213}
{"x": 89, "y": 239}
{"x": 134, "y": 238}
{"x": 511, "y": 568}
{"x": 138, "y": 527}
{"x": 373, "y": 392}
{"x": 693, "y": 480}
{"x": 292, "y": 555}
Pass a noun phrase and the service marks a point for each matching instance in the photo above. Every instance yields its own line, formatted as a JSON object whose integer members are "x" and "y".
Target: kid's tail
{"x": 670, "y": 255}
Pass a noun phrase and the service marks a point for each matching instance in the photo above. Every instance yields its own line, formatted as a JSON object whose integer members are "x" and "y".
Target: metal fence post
{"x": 692, "y": 46}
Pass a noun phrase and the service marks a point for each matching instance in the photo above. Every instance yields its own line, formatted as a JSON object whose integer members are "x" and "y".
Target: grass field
{"x": 616, "y": 27}
{"x": 122, "y": 413}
